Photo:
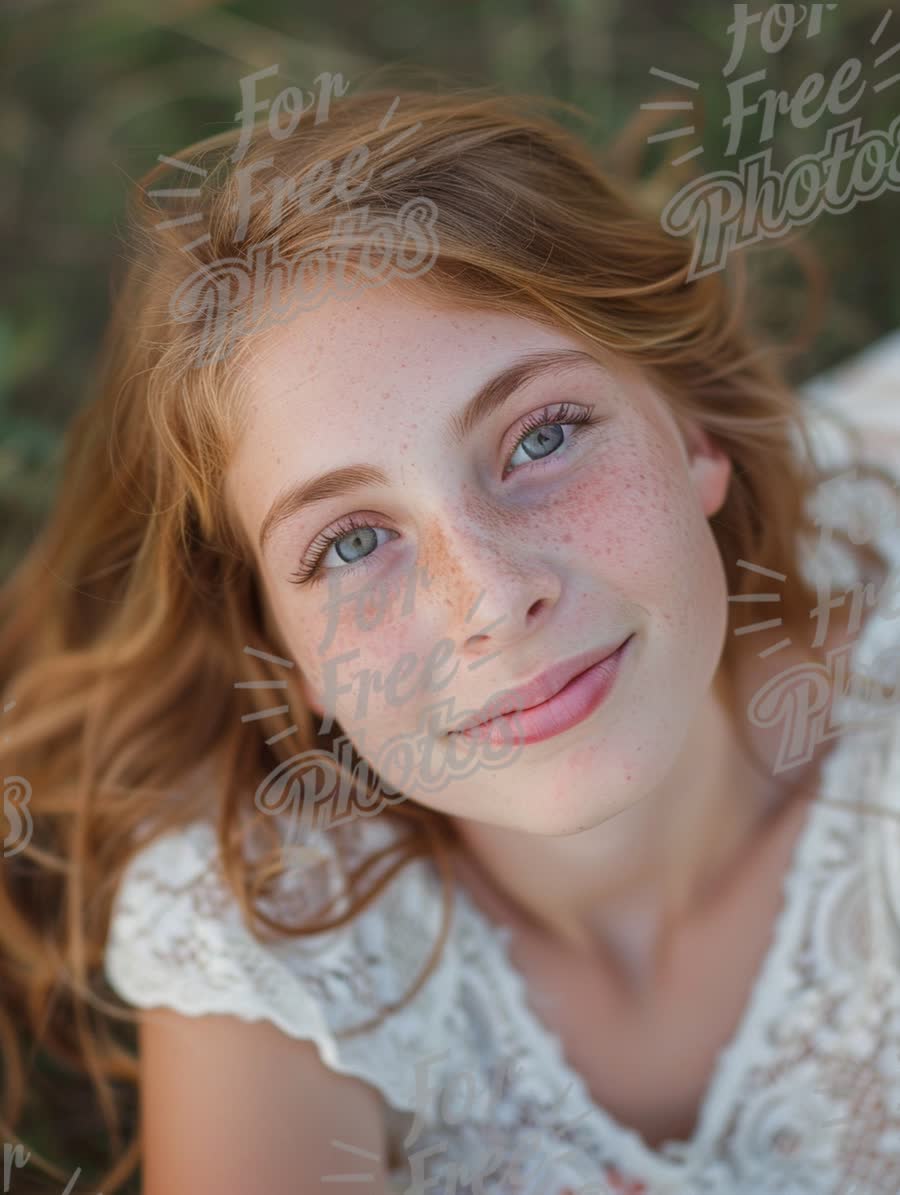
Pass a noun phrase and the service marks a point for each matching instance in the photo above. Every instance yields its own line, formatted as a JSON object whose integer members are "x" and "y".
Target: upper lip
{"x": 540, "y": 689}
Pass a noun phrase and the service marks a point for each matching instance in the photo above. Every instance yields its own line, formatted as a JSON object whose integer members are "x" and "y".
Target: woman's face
{"x": 445, "y": 550}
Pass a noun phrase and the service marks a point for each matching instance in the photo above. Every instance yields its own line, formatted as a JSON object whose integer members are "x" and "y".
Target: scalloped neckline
{"x": 672, "y": 1157}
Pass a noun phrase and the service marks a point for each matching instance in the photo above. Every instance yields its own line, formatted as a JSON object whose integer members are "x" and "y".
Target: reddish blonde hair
{"x": 123, "y": 628}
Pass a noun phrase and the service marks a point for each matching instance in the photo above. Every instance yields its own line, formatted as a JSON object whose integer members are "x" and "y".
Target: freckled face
{"x": 571, "y": 515}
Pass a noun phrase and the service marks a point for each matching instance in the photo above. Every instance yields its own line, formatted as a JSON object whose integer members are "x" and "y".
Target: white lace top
{"x": 805, "y": 1098}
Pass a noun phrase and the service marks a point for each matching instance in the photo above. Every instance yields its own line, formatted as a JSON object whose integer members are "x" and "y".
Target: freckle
{"x": 484, "y": 512}
{"x": 438, "y": 561}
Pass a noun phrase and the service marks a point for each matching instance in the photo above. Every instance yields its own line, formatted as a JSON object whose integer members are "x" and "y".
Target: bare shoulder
{"x": 229, "y": 1105}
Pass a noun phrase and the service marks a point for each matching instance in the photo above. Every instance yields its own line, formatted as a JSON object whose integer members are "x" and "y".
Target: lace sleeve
{"x": 177, "y": 938}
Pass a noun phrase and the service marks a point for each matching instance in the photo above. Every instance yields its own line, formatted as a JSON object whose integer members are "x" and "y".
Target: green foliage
{"x": 97, "y": 91}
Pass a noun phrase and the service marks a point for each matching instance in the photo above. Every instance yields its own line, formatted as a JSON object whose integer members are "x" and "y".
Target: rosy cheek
{"x": 354, "y": 606}
{"x": 633, "y": 512}
{"x": 600, "y": 518}
{"x": 373, "y": 626}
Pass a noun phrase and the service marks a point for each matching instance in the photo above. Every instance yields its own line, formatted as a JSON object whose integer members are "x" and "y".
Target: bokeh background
{"x": 94, "y": 90}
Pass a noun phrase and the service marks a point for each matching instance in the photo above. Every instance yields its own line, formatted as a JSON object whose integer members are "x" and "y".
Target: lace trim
{"x": 177, "y": 939}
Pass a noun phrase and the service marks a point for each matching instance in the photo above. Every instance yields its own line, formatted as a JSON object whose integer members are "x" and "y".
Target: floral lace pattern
{"x": 804, "y": 1100}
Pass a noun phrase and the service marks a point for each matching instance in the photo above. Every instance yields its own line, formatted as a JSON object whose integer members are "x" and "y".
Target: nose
{"x": 497, "y": 589}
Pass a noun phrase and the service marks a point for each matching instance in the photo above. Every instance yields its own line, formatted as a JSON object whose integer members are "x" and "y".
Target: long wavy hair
{"x": 123, "y": 629}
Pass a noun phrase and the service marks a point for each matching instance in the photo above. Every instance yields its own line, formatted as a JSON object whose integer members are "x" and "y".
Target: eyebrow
{"x": 487, "y": 399}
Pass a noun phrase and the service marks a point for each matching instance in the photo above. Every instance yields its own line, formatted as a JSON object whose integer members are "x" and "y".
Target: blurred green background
{"x": 93, "y": 92}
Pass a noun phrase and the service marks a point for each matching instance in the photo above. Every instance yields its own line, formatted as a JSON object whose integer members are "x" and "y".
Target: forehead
{"x": 378, "y": 352}
{"x": 356, "y": 354}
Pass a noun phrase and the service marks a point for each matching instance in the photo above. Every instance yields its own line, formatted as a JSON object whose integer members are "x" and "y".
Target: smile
{"x": 568, "y": 702}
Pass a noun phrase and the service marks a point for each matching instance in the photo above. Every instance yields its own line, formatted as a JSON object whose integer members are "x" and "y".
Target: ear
{"x": 710, "y": 469}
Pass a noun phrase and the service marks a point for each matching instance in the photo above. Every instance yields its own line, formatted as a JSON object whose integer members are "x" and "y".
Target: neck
{"x": 619, "y": 890}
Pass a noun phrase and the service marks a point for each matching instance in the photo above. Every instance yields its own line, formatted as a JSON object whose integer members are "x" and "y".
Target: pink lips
{"x": 555, "y": 701}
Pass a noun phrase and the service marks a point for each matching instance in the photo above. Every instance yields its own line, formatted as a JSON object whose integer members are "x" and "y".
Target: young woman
{"x": 455, "y": 695}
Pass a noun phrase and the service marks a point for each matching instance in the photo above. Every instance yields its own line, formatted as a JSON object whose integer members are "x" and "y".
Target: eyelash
{"x": 581, "y": 418}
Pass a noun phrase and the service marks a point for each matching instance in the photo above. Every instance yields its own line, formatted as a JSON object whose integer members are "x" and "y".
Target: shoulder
{"x": 864, "y": 393}
{"x": 178, "y": 938}
{"x": 866, "y": 385}
{"x": 852, "y": 416}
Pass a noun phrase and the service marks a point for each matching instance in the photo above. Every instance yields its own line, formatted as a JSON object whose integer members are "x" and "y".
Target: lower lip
{"x": 571, "y": 705}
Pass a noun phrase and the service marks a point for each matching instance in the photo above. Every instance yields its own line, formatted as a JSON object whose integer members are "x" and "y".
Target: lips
{"x": 539, "y": 690}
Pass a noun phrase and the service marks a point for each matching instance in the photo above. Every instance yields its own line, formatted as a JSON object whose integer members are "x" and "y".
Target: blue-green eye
{"x": 543, "y": 441}
{"x": 352, "y": 547}
{"x": 345, "y": 546}
{"x": 542, "y": 433}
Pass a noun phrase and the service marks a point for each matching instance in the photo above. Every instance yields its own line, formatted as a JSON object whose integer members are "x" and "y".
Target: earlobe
{"x": 711, "y": 470}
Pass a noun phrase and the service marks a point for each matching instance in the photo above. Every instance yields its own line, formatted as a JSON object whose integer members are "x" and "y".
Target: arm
{"x": 230, "y": 1106}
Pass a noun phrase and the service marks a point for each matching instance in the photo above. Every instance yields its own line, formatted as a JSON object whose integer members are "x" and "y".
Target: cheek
{"x": 633, "y": 514}
{"x": 636, "y": 522}
{"x": 355, "y": 636}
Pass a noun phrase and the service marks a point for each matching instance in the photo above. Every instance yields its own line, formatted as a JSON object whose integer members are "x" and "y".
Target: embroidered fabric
{"x": 804, "y": 1099}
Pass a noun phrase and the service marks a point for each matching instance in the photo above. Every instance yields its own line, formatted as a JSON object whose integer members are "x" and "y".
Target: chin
{"x": 574, "y": 816}
{"x": 536, "y": 800}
